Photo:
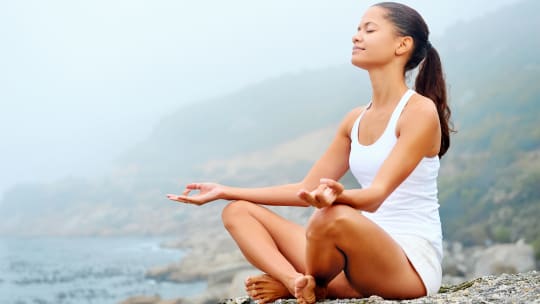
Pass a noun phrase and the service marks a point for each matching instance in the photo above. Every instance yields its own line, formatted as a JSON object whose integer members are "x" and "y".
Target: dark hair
{"x": 430, "y": 79}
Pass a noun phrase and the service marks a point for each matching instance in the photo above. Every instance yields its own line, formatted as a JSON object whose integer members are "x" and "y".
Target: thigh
{"x": 288, "y": 236}
{"x": 376, "y": 264}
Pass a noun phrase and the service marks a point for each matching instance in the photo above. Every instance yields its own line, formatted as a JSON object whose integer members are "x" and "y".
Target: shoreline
{"x": 55, "y": 269}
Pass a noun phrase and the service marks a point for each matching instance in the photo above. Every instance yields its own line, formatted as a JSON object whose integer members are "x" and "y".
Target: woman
{"x": 393, "y": 246}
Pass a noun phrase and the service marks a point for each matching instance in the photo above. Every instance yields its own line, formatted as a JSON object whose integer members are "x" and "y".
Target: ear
{"x": 406, "y": 44}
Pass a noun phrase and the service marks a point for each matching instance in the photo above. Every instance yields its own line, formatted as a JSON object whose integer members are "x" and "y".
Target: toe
{"x": 252, "y": 293}
{"x": 252, "y": 286}
{"x": 264, "y": 300}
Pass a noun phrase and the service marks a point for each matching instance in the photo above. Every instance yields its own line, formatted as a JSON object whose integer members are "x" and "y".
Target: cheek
{"x": 379, "y": 50}
{"x": 382, "y": 48}
{"x": 373, "y": 56}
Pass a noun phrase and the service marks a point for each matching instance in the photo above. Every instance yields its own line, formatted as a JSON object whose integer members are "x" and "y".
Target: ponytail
{"x": 430, "y": 83}
{"x": 430, "y": 80}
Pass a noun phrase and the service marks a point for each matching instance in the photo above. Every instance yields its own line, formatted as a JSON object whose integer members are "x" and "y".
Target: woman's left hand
{"x": 325, "y": 194}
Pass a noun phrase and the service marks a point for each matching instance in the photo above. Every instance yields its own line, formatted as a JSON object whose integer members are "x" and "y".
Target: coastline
{"x": 81, "y": 270}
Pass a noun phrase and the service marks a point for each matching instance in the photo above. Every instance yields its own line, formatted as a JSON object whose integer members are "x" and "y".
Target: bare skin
{"x": 304, "y": 289}
{"x": 341, "y": 253}
{"x": 265, "y": 289}
{"x": 275, "y": 246}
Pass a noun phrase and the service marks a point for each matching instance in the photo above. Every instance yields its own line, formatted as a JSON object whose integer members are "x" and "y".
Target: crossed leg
{"x": 339, "y": 238}
{"x": 277, "y": 247}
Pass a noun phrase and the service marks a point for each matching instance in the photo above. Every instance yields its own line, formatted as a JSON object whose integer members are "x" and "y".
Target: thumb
{"x": 335, "y": 186}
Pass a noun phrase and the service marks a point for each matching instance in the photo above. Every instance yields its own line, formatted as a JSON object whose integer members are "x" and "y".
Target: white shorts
{"x": 424, "y": 259}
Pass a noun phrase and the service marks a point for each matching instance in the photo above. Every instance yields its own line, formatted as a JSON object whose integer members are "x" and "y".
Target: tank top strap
{"x": 399, "y": 108}
{"x": 354, "y": 130}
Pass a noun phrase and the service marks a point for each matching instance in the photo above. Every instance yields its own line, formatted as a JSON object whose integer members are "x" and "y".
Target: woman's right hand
{"x": 324, "y": 195}
{"x": 207, "y": 192}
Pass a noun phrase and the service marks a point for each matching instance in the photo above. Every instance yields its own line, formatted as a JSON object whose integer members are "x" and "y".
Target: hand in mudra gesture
{"x": 324, "y": 195}
{"x": 207, "y": 192}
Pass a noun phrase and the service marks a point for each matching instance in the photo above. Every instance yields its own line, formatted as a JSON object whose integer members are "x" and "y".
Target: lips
{"x": 357, "y": 48}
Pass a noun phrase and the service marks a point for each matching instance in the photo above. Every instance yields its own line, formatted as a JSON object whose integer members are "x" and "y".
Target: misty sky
{"x": 82, "y": 81}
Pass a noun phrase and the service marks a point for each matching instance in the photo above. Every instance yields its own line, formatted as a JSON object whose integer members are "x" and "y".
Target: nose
{"x": 356, "y": 37}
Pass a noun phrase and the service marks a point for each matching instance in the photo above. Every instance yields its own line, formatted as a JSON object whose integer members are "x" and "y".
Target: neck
{"x": 388, "y": 85}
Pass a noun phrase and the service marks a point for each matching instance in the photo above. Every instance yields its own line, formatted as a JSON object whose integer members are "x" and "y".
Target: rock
{"x": 211, "y": 296}
{"x": 226, "y": 275}
{"x": 141, "y": 300}
{"x": 505, "y": 288}
{"x": 150, "y": 300}
{"x": 172, "y": 301}
{"x": 237, "y": 286}
{"x": 505, "y": 258}
{"x": 215, "y": 261}
{"x": 454, "y": 261}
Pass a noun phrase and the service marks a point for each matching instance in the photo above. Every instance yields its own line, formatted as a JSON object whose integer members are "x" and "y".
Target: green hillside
{"x": 489, "y": 182}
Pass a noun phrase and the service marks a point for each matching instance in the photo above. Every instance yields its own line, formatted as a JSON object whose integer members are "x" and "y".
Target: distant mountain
{"x": 489, "y": 182}
{"x": 273, "y": 131}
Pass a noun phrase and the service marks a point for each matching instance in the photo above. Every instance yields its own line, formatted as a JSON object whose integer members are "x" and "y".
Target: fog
{"x": 82, "y": 81}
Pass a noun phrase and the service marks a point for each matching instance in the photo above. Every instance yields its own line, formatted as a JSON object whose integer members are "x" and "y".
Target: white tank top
{"x": 413, "y": 208}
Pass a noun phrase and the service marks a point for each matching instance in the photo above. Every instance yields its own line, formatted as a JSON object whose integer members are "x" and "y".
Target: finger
{"x": 182, "y": 199}
{"x": 325, "y": 197}
{"x": 329, "y": 194}
{"x": 336, "y": 186}
{"x": 194, "y": 186}
{"x": 322, "y": 195}
{"x": 188, "y": 199}
{"x": 307, "y": 197}
{"x": 186, "y": 192}
{"x": 312, "y": 199}
{"x": 319, "y": 191}
{"x": 173, "y": 197}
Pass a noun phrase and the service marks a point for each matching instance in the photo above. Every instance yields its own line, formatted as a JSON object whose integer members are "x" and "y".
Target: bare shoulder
{"x": 419, "y": 125}
{"x": 353, "y": 114}
{"x": 349, "y": 119}
{"x": 420, "y": 110}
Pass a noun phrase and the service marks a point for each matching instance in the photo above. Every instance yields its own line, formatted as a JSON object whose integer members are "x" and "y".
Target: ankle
{"x": 321, "y": 292}
{"x": 289, "y": 281}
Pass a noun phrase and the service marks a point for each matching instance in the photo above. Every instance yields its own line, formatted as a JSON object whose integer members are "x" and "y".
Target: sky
{"x": 83, "y": 81}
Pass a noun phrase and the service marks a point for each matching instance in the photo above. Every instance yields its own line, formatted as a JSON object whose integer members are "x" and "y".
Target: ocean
{"x": 79, "y": 270}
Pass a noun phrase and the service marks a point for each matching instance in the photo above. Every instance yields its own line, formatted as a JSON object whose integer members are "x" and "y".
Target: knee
{"x": 330, "y": 221}
{"x": 234, "y": 210}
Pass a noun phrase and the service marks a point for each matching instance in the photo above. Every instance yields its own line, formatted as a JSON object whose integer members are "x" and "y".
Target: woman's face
{"x": 375, "y": 41}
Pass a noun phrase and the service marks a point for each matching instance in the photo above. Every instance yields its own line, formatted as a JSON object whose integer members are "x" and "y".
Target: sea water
{"x": 85, "y": 270}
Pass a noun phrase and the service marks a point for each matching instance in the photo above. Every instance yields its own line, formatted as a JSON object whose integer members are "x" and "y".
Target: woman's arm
{"x": 333, "y": 164}
{"x": 419, "y": 136}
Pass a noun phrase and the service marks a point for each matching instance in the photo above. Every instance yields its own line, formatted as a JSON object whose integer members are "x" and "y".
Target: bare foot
{"x": 266, "y": 289}
{"x": 304, "y": 290}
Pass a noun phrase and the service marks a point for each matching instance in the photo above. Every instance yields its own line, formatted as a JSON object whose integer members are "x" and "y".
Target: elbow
{"x": 372, "y": 208}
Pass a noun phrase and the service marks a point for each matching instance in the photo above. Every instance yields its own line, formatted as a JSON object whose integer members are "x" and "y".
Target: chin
{"x": 359, "y": 63}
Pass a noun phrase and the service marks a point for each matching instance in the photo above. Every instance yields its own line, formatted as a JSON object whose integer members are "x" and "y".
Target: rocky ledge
{"x": 505, "y": 288}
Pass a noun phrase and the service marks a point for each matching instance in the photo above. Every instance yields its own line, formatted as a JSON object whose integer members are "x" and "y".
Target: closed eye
{"x": 369, "y": 27}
